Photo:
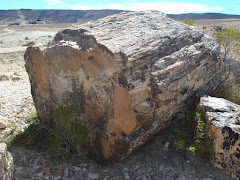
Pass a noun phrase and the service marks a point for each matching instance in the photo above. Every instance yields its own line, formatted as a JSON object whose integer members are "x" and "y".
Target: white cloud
{"x": 54, "y": 2}
{"x": 166, "y": 7}
{"x": 236, "y": 6}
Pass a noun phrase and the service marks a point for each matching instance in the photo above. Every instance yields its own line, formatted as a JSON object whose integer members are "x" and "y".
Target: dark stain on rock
{"x": 230, "y": 138}
{"x": 223, "y": 165}
{"x": 122, "y": 80}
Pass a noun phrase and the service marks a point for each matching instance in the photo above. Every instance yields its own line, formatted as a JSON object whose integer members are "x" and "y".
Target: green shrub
{"x": 229, "y": 88}
{"x": 229, "y": 39}
{"x": 200, "y": 141}
{"x": 66, "y": 134}
{"x": 32, "y": 117}
{"x": 189, "y": 22}
{"x": 69, "y": 133}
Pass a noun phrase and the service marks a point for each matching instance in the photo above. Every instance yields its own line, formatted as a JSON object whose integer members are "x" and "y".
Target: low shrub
{"x": 189, "y": 22}
{"x": 66, "y": 134}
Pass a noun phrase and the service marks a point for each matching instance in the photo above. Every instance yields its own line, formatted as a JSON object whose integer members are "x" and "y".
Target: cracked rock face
{"x": 223, "y": 127}
{"x": 127, "y": 73}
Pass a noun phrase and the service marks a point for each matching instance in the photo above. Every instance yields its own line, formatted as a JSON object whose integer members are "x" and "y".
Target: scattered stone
{"x": 4, "y": 78}
{"x": 66, "y": 173}
{"x": 3, "y": 125}
{"x": 135, "y": 167}
{"x": 84, "y": 170}
{"x": 165, "y": 147}
{"x": 77, "y": 168}
{"x": 92, "y": 175}
{"x": 40, "y": 174}
{"x": 6, "y": 163}
{"x": 60, "y": 171}
{"x": 126, "y": 176}
{"x": 188, "y": 161}
{"x": 16, "y": 78}
{"x": 125, "y": 169}
{"x": 46, "y": 171}
{"x": 16, "y": 74}
{"x": 58, "y": 178}
{"x": 223, "y": 127}
{"x": 207, "y": 179}
{"x": 161, "y": 167}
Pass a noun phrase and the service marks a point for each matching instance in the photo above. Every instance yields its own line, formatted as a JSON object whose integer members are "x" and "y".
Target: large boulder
{"x": 128, "y": 74}
{"x": 223, "y": 128}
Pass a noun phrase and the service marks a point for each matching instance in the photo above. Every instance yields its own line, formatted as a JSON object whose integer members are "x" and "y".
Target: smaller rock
{"x": 16, "y": 74}
{"x": 207, "y": 179}
{"x": 58, "y": 178}
{"x": 40, "y": 174}
{"x": 161, "y": 167}
{"x": 165, "y": 147}
{"x": 126, "y": 176}
{"x": 60, "y": 171}
{"x": 92, "y": 176}
{"x": 16, "y": 78}
{"x": 3, "y": 125}
{"x": 135, "y": 167}
{"x": 188, "y": 161}
{"x": 125, "y": 169}
{"x": 66, "y": 173}
{"x": 76, "y": 168}
{"x": 46, "y": 171}
{"x": 4, "y": 78}
{"x": 84, "y": 169}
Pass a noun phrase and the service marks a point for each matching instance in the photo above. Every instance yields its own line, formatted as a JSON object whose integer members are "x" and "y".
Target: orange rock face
{"x": 129, "y": 86}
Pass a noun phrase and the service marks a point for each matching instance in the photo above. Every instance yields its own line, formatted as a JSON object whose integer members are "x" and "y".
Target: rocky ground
{"x": 156, "y": 160}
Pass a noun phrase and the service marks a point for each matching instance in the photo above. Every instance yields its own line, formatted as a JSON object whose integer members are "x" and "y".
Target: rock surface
{"x": 128, "y": 74}
{"x": 6, "y": 163}
{"x": 223, "y": 127}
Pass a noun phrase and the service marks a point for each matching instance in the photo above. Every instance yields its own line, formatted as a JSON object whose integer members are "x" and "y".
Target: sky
{"x": 168, "y": 7}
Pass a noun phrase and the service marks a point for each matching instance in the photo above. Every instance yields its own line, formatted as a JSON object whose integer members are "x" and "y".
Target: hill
{"x": 196, "y": 16}
{"x": 61, "y": 16}
{"x": 81, "y": 16}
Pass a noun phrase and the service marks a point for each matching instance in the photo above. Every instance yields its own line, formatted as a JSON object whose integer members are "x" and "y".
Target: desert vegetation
{"x": 229, "y": 39}
{"x": 190, "y": 22}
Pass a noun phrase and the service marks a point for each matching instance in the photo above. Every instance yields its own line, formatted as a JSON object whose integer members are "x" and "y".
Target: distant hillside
{"x": 81, "y": 16}
{"x": 202, "y": 16}
{"x": 61, "y": 16}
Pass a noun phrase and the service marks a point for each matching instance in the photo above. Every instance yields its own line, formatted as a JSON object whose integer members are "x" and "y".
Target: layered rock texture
{"x": 128, "y": 74}
{"x": 6, "y": 163}
{"x": 223, "y": 127}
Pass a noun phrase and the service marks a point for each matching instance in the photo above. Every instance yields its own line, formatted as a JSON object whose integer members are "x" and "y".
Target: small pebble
{"x": 92, "y": 175}
{"x": 126, "y": 176}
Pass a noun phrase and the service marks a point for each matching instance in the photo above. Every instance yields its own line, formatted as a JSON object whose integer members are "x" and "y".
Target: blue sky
{"x": 170, "y": 6}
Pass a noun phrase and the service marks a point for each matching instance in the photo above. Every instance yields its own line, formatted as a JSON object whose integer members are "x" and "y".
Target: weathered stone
{"x": 3, "y": 125}
{"x": 128, "y": 74}
{"x": 6, "y": 163}
{"x": 223, "y": 127}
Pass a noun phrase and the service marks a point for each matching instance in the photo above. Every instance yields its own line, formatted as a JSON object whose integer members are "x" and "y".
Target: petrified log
{"x": 223, "y": 127}
{"x": 128, "y": 74}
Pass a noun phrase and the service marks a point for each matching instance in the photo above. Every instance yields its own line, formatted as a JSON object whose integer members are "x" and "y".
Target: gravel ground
{"x": 153, "y": 161}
